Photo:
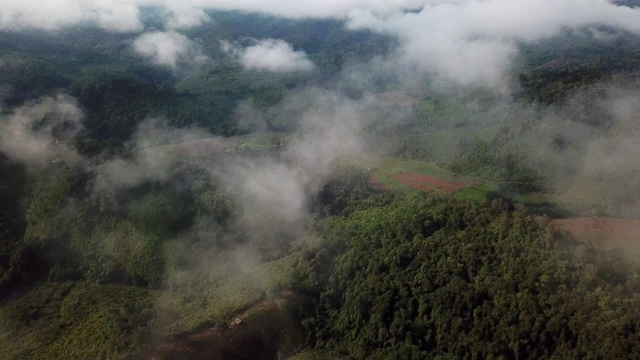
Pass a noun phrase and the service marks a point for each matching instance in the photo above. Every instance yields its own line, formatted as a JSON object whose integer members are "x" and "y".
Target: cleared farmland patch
{"x": 604, "y": 231}
{"x": 428, "y": 183}
{"x": 379, "y": 184}
{"x": 200, "y": 146}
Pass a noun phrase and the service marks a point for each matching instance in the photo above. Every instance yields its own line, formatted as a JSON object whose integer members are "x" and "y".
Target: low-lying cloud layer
{"x": 37, "y": 133}
{"x": 124, "y": 15}
{"x": 116, "y": 15}
{"x": 168, "y": 49}
{"x": 280, "y": 188}
{"x": 473, "y": 42}
{"x": 269, "y": 55}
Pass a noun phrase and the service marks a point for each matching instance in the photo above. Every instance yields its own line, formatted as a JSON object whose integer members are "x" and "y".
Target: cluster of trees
{"x": 66, "y": 229}
{"x": 536, "y": 140}
{"x": 347, "y": 190}
{"x": 52, "y": 225}
{"x": 428, "y": 277}
{"x": 329, "y": 45}
{"x": 395, "y": 276}
{"x": 13, "y": 253}
{"x": 553, "y": 69}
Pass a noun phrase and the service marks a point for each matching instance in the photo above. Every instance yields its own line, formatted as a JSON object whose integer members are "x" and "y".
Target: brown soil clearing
{"x": 428, "y": 183}
{"x": 604, "y": 231}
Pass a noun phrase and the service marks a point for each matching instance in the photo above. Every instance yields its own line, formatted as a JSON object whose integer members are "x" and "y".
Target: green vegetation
{"x": 327, "y": 42}
{"x": 78, "y": 320}
{"x": 556, "y": 67}
{"x": 390, "y": 166}
{"x": 428, "y": 277}
{"x": 126, "y": 245}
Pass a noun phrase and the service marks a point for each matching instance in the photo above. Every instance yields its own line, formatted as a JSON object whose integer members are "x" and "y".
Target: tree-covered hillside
{"x": 436, "y": 278}
{"x": 231, "y": 184}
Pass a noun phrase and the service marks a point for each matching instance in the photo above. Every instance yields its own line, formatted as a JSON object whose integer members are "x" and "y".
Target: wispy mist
{"x": 269, "y": 55}
{"x": 279, "y": 188}
{"x": 168, "y": 49}
{"x": 39, "y": 132}
{"x": 474, "y": 42}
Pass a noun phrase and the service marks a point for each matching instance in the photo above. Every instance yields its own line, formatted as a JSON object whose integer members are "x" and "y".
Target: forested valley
{"x": 258, "y": 185}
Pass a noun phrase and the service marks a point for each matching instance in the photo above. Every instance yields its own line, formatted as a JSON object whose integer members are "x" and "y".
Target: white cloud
{"x": 468, "y": 41}
{"x": 312, "y": 8}
{"x": 279, "y": 188}
{"x": 181, "y": 15}
{"x": 114, "y": 15}
{"x": 124, "y": 15}
{"x": 269, "y": 55}
{"x": 473, "y": 41}
{"x": 168, "y": 48}
{"x": 37, "y": 133}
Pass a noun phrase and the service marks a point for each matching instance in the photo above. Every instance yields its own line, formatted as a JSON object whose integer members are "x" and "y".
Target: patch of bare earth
{"x": 605, "y": 231}
{"x": 379, "y": 184}
{"x": 428, "y": 183}
{"x": 266, "y": 331}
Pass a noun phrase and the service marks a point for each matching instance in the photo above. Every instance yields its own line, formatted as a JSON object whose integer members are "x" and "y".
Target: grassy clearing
{"x": 383, "y": 170}
{"x": 392, "y": 166}
{"x": 207, "y": 146}
{"x": 474, "y": 192}
{"x": 189, "y": 309}
{"x": 259, "y": 142}
{"x": 208, "y": 302}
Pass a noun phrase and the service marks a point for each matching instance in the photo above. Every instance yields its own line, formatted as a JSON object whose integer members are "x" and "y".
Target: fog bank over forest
{"x": 374, "y": 179}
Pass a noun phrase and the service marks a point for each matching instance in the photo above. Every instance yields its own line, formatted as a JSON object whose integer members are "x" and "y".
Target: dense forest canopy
{"x": 353, "y": 180}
